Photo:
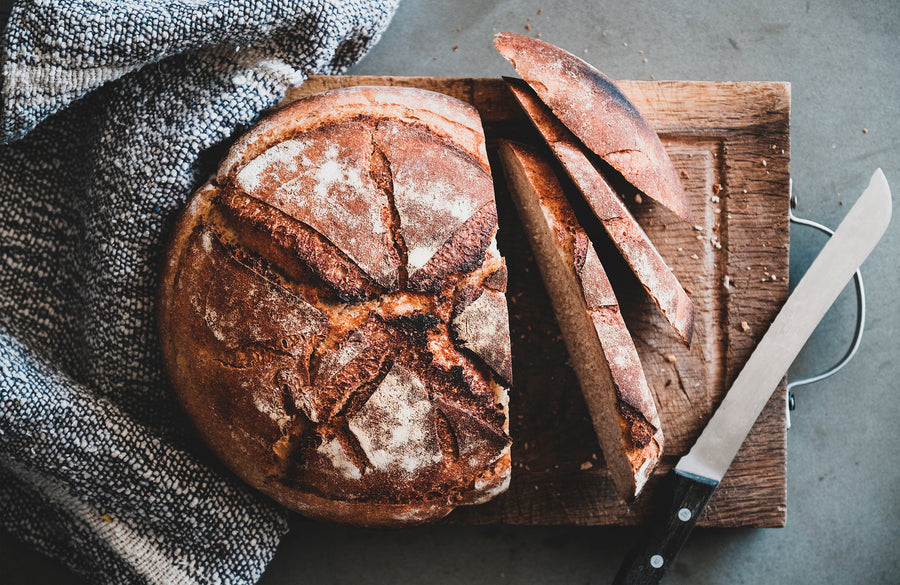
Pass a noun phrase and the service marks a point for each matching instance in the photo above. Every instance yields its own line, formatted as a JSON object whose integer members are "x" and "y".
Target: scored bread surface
{"x": 333, "y": 314}
{"x": 603, "y": 355}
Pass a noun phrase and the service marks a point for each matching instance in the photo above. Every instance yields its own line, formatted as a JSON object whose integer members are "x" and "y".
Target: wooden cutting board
{"x": 731, "y": 142}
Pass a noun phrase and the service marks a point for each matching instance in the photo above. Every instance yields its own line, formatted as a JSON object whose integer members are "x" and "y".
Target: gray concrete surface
{"x": 843, "y": 61}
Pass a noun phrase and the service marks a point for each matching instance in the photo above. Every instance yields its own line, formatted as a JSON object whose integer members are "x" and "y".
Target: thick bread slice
{"x": 634, "y": 245}
{"x": 603, "y": 354}
{"x": 599, "y": 114}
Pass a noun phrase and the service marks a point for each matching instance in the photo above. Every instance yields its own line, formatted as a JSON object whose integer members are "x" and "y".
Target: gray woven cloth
{"x": 113, "y": 112}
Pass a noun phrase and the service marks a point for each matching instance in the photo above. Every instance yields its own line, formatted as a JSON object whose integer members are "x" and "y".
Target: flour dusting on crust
{"x": 335, "y": 453}
{"x": 323, "y": 181}
{"x": 396, "y": 427}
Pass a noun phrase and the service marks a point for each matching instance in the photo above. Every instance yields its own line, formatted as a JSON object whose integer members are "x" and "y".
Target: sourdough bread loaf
{"x": 332, "y": 310}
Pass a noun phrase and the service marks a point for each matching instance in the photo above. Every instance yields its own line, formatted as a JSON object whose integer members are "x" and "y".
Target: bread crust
{"x": 625, "y": 232}
{"x": 599, "y": 114}
{"x": 444, "y": 116}
{"x": 603, "y": 355}
{"x": 317, "y": 360}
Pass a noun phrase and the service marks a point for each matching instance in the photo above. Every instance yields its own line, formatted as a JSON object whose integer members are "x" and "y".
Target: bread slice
{"x": 625, "y": 232}
{"x": 599, "y": 114}
{"x": 603, "y": 355}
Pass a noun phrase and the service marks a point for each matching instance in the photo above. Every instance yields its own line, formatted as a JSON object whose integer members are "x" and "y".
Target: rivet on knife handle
{"x": 650, "y": 558}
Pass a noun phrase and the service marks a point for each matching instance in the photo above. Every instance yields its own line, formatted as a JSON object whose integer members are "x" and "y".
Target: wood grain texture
{"x": 731, "y": 144}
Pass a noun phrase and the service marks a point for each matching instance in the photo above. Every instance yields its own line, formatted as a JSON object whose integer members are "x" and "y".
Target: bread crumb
{"x": 540, "y": 11}
{"x": 586, "y": 465}
{"x": 865, "y": 130}
{"x": 699, "y": 228}
{"x": 107, "y": 518}
{"x": 671, "y": 358}
{"x": 685, "y": 175}
{"x": 763, "y": 162}
{"x": 681, "y": 249}
{"x": 527, "y": 27}
{"x": 745, "y": 190}
{"x": 638, "y": 199}
{"x": 745, "y": 326}
{"x": 624, "y": 44}
{"x": 455, "y": 47}
{"x": 538, "y": 35}
{"x": 645, "y": 59}
{"x": 774, "y": 277}
{"x": 717, "y": 210}
{"x": 840, "y": 202}
{"x": 715, "y": 198}
{"x": 726, "y": 282}
{"x": 695, "y": 257}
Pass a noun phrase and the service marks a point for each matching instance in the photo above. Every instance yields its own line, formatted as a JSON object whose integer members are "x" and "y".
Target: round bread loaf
{"x": 332, "y": 310}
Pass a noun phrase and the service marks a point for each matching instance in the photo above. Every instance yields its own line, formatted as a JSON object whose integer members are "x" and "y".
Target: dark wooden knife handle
{"x": 656, "y": 550}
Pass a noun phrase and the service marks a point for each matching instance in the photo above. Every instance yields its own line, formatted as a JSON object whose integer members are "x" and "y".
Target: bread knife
{"x": 697, "y": 474}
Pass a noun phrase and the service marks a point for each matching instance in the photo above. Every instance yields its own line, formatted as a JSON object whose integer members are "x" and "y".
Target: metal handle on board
{"x": 860, "y": 314}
